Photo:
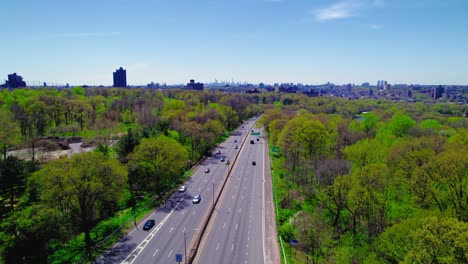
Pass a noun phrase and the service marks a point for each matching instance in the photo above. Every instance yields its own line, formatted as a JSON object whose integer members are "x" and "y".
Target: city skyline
{"x": 270, "y": 41}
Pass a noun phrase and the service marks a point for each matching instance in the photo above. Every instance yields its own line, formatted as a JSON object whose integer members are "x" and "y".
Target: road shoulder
{"x": 272, "y": 252}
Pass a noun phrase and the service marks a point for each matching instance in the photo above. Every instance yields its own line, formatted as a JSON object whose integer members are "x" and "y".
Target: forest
{"x": 367, "y": 181}
{"x": 355, "y": 181}
{"x": 66, "y": 210}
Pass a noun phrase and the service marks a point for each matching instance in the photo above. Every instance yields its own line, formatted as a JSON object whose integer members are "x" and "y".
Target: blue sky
{"x": 314, "y": 41}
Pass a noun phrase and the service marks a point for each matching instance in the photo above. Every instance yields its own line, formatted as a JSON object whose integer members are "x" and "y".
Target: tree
{"x": 448, "y": 176}
{"x": 164, "y": 159}
{"x": 81, "y": 187}
{"x": 127, "y": 144}
{"x": 301, "y": 134}
{"x": 229, "y": 117}
{"x": 8, "y": 131}
{"x": 13, "y": 172}
{"x": 369, "y": 123}
{"x": 400, "y": 124}
{"x": 439, "y": 240}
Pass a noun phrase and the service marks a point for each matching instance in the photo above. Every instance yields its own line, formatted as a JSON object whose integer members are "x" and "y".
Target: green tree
{"x": 439, "y": 240}
{"x": 83, "y": 187}
{"x": 229, "y": 117}
{"x": 400, "y": 124}
{"x": 8, "y": 131}
{"x": 164, "y": 159}
{"x": 127, "y": 144}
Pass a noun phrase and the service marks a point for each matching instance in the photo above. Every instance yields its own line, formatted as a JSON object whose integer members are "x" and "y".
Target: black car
{"x": 149, "y": 224}
{"x": 254, "y": 163}
{"x": 235, "y": 140}
{"x": 222, "y": 159}
{"x": 258, "y": 139}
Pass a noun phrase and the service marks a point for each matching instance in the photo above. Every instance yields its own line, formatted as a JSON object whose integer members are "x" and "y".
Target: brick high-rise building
{"x": 120, "y": 78}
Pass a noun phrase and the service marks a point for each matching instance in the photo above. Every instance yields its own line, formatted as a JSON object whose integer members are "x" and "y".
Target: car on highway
{"x": 236, "y": 147}
{"x": 258, "y": 139}
{"x": 207, "y": 170}
{"x": 196, "y": 199}
{"x": 252, "y": 141}
{"x": 218, "y": 152}
{"x": 254, "y": 163}
{"x": 149, "y": 224}
{"x": 235, "y": 140}
{"x": 182, "y": 188}
{"x": 222, "y": 159}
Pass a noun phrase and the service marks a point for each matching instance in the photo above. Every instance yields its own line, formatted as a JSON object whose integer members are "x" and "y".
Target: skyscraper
{"x": 120, "y": 78}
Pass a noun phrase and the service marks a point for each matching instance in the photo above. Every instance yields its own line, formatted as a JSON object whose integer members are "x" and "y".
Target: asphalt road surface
{"x": 237, "y": 233}
{"x": 178, "y": 216}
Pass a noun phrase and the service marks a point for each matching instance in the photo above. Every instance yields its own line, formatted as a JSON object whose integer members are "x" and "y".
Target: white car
{"x": 207, "y": 170}
{"x": 218, "y": 152}
{"x": 196, "y": 199}
{"x": 182, "y": 188}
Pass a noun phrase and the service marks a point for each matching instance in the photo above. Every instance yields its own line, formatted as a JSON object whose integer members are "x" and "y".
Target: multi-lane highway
{"x": 178, "y": 219}
{"x": 236, "y": 232}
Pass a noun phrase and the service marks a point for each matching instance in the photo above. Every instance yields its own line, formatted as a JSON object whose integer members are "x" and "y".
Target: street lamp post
{"x": 134, "y": 209}
{"x": 185, "y": 244}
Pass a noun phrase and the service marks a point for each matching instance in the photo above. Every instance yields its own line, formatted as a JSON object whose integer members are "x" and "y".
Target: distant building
{"x": 192, "y": 85}
{"x": 407, "y": 93}
{"x": 270, "y": 88}
{"x": 288, "y": 88}
{"x": 349, "y": 88}
{"x": 386, "y": 86}
{"x": 120, "y": 78}
{"x": 371, "y": 92}
{"x": 437, "y": 92}
{"x": 311, "y": 93}
{"x": 366, "y": 84}
{"x": 15, "y": 81}
{"x": 254, "y": 91}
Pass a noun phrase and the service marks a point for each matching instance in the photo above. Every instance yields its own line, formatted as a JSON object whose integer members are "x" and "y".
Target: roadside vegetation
{"x": 61, "y": 211}
{"x": 360, "y": 181}
{"x": 369, "y": 181}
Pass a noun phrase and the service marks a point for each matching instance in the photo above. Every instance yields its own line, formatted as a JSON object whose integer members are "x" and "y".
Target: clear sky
{"x": 172, "y": 41}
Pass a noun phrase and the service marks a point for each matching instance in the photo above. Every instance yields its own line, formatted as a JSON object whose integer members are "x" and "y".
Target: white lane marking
{"x": 156, "y": 252}
{"x": 263, "y": 202}
{"x": 240, "y": 210}
{"x": 242, "y": 197}
{"x": 217, "y": 247}
{"x": 237, "y": 226}
{"x": 233, "y": 197}
{"x": 148, "y": 238}
{"x": 232, "y": 248}
{"x": 224, "y": 225}
{"x": 170, "y": 230}
{"x": 183, "y": 211}
{"x": 170, "y": 253}
{"x": 229, "y": 209}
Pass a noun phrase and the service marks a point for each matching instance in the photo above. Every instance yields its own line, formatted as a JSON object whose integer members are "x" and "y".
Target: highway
{"x": 178, "y": 216}
{"x": 237, "y": 233}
